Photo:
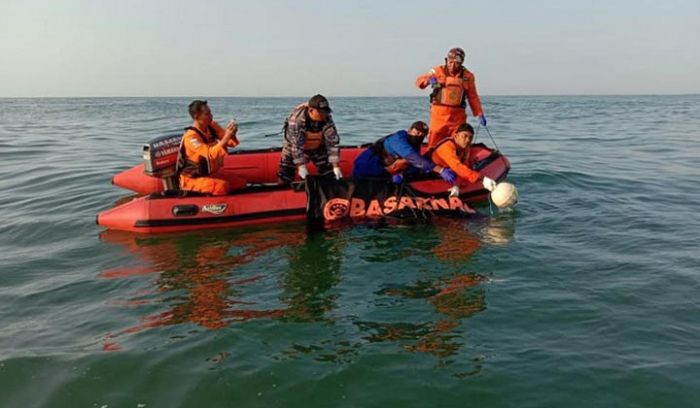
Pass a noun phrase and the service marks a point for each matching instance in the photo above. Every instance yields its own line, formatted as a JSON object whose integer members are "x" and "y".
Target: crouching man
{"x": 310, "y": 135}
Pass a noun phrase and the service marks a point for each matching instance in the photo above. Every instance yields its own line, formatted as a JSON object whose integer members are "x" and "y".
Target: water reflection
{"x": 456, "y": 298}
{"x": 456, "y": 243}
{"x": 455, "y": 295}
{"x": 495, "y": 231}
{"x": 452, "y": 293}
{"x": 290, "y": 274}
{"x": 201, "y": 278}
{"x": 198, "y": 276}
{"x": 314, "y": 268}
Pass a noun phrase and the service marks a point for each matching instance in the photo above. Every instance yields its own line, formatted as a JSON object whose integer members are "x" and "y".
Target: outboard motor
{"x": 160, "y": 160}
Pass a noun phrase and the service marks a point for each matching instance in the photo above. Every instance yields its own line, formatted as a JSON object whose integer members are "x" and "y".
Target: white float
{"x": 504, "y": 195}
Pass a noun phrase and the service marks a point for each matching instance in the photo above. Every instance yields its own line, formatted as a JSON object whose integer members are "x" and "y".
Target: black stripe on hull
{"x": 177, "y": 222}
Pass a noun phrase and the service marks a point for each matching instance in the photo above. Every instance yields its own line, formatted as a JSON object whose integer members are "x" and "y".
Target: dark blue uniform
{"x": 373, "y": 161}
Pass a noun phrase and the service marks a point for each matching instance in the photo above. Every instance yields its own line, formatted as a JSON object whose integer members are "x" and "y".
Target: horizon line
{"x": 334, "y": 96}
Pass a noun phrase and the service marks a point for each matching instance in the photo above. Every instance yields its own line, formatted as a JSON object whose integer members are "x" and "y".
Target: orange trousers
{"x": 212, "y": 185}
{"x": 444, "y": 121}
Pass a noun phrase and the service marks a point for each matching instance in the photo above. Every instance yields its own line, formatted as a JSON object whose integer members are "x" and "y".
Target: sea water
{"x": 585, "y": 295}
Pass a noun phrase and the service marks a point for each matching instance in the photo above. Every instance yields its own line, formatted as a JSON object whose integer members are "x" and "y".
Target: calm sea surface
{"x": 587, "y": 295}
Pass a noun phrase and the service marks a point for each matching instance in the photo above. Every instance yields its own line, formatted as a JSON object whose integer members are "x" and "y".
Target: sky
{"x": 75, "y": 48}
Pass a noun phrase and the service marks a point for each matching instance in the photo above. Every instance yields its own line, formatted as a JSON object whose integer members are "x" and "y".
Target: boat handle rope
{"x": 489, "y": 133}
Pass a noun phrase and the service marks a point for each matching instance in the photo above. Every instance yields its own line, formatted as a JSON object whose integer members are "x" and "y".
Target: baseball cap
{"x": 321, "y": 103}
{"x": 457, "y": 54}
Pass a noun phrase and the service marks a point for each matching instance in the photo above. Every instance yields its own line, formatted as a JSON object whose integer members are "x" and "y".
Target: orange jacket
{"x": 468, "y": 83}
{"x": 448, "y": 154}
{"x": 197, "y": 148}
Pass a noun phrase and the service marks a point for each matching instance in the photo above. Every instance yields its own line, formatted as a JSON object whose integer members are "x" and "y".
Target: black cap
{"x": 420, "y": 126}
{"x": 456, "y": 53}
{"x": 321, "y": 103}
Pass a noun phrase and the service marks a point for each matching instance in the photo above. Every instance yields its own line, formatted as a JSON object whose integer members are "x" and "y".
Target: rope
{"x": 422, "y": 210}
{"x": 489, "y": 133}
{"x": 497, "y": 149}
{"x": 401, "y": 189}
{"x": 492, "y": 139}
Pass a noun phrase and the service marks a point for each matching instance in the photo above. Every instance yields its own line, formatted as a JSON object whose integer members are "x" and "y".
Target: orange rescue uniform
{"x": 448, "y": 101}
{"x": 203, "y": 157}
{"x": 448, "y": 154}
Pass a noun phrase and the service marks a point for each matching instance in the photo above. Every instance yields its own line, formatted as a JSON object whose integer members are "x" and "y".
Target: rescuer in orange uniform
{"x": 202, "y": 151}
{"x": 453, "y": 85}
{"x": 453, "y": 153}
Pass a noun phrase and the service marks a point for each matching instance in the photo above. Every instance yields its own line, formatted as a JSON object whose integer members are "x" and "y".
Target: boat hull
{"x": 258, "y": 203}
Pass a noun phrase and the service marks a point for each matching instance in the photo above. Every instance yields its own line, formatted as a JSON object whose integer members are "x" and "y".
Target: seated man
{"x": 453, "y": 153}
{"x": 310, "y": 134}
{"x": 202, "y": 151}
{"x": 393, "y": 154}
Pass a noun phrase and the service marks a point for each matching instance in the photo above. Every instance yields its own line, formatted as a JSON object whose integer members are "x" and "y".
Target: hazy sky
{"x": 300, "y": 47}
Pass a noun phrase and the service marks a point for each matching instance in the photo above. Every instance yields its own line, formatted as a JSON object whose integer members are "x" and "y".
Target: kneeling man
{"x": 453, "y": 153}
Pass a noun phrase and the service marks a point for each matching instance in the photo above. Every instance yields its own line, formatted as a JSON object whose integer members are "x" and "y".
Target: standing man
{"x": 453, "y": 85}
{"x": 310, "y": 134}
{"x": 202, "y": 151}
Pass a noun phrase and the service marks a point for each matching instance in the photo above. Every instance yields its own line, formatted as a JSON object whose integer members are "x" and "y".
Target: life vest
{"x": 462, "y": 154}
{"x": 200, "y": 168}
{"x": 451, "y": 90}
{"x": 391, "y": 164}
{"x": 313, "y": 138}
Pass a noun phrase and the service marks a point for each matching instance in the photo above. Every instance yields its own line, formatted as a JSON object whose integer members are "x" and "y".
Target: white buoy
{"x": 504, "y": 195}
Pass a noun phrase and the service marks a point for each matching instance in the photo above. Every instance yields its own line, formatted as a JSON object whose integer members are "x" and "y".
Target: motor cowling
{"x": 160, "y": 159}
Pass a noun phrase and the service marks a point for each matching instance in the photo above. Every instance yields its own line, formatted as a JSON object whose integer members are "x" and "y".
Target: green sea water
{"x": 585, "y": 295}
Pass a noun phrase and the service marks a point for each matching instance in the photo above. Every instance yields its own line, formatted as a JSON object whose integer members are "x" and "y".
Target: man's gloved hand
{"x": 454, "y": 191}
{"x": 488, "y": 183}
{"x": 448, "y": 175}
{"x": 303, "y": 171}
{"x": 482, "y": 120}
{"x": 433, "y": 82}
{"x": 338, "y": 173}
{"x": 397, "y": 178}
